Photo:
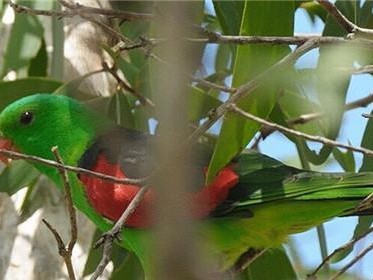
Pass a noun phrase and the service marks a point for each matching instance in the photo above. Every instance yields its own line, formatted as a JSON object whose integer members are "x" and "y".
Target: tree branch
{"x": 336, "y": 251}
{"x": 245, "y": 260}
{"x": 108, "y": 178}
{"x": 68, "y": 200}
{"x": 62, "y": 251}
{"x": 143, "y": 100}
{"x": 352, "y": 262}
{"x": 283, "y": 129}
{"x": 108, "y": 237}
{"x": 65, "y": 251}
{"x": 305, "y": 118}
{"x": 76, "y": 9}
{"x": 344, "y": 22}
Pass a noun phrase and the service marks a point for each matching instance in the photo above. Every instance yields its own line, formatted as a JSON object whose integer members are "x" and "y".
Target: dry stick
{"x": 62, "y": 250}
{"x": 124, "y": 15}
{"x": 214, "y": 85}
{"x": 112, "y": 31}
{"x": 128, "y": 16}
{"x": 108, "y": 237}
{"x": 338, "y": 250}
{"x": 343, "y": 21}
{"x": 367, "y": 69}
{"x": 212, "y": 37}
{"x": 68, "y": 200}
{"x": 283, "y": 129}
{"x": 216, "y": 38}
{"x": 252, "y": 40}
{"x": 352, "y": 262}
{"x": 305, "y": 118}
{"x": 66, "y": 251}
{"x": 245, "y": 260}
{"x": 36, "y": 12}
{"x": 143, "y": 100}
{"x": 108, "y": 178}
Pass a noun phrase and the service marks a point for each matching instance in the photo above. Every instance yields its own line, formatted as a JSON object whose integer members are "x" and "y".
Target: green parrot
{"x": 255, "y": 202}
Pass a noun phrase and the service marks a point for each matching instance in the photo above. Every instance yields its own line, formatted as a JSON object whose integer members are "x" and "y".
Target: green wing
{"x": 263, "y": 179}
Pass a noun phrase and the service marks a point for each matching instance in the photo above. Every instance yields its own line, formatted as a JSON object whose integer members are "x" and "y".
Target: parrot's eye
{"x": 26, "y": 117}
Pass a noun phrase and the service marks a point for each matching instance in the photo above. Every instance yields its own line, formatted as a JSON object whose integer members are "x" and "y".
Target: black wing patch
{"x": 130, "y": 149}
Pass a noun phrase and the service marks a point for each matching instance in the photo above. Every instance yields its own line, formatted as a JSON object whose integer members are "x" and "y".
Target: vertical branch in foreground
{"x": 175, "y": 255}
{"x": 58, "y": 37}
{"x": 65, "y": 251}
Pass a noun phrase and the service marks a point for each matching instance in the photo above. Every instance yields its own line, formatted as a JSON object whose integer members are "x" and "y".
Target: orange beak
{"x": 6, "y": 145}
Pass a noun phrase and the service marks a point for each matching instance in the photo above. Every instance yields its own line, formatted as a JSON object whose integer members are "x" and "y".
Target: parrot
{"x": 255, "y": 202}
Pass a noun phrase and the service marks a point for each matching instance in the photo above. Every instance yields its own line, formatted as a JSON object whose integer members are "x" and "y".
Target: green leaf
{"x": 273, "y": 264}
{"x": 141, "y": 118}
{"x": 314, "y": 9}
{"x": 364, "y": 222}
{"x": 71, "y": 89}
{"x": 367, "y": 143}
{"x": 331, "y": 84}
{"x": 345, "y": 159}
{"x": 129, "y": 269}
{"x": 292, "y": 105}
{"x": 200, "y": 103}
{"x": 94, "y": 255}
{"x": 17, "y": 175}
{"x": 223, "y": 56}
{"x": 11, "y": 91}
{"x": 39, "y": 64}
{"x": 365, "y": 16}
{"x": 23, "y": 44}
{"x": 236, "y": 132}
{"x": 363, "y": 225}
{"x": 33, "y": 200}
{"x": 119, "y": 110}
{"x": 126, "y": 264}
{"x": 229, "y": 14}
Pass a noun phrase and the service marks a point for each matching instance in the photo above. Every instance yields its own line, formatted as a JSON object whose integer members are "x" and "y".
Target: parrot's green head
{"x": 37, "y": 123}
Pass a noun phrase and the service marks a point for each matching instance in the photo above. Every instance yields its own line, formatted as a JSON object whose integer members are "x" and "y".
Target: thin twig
{"x": 366, "y": 69}
{"x": 305, "y": 118}
{"x": 30, "y": 11}
{"x": 338, "y": 16}
{"x": 109, "y": 29}
{"x": 245, "y": 260}
{"x": 212, "y": 85}
{"x": 143, "y": 100}
{"x": 110, "y": 13}
{"x": 75, "y": 8}
{"x": 68, "y": 200}
{"x": 108, "y": 178}
{"x": 344, "y": 22}
{"x": 108, "y": 237}
{"x": 338, "y": 250}
{"x": 352, "y": 262}
{"x": 66, "y": 251}
{"x": 62, "y": 251}
{"x": 283, "y": 129}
